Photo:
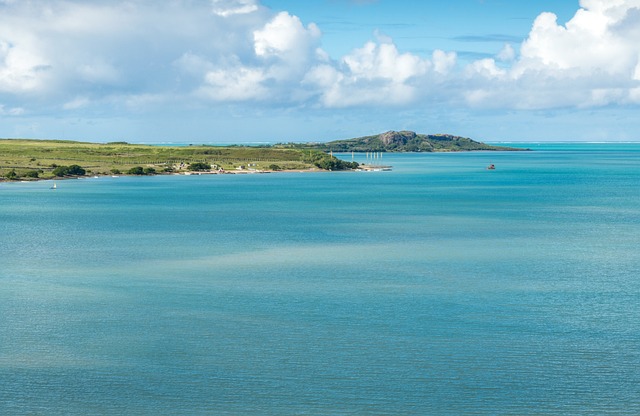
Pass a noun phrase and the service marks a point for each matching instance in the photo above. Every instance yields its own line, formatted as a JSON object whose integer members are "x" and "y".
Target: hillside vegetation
{"x": 403, "y": 141}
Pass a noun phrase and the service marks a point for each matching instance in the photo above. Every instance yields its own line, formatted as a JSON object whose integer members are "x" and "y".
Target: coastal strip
{"x": 25, "y": 159}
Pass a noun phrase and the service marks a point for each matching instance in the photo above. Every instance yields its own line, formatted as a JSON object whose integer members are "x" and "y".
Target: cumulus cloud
{"x": 282, "y": 49}
{"x": 443, "y": 62}
{"x": 22, "y": 68}
{"x": 75, "y": 54}
{"x": 47, "y": 48}
{"x": 592, "y": 60}
{"x": 507, "y": 54}
{"x": 377, "y": 73}
{"x": 284, "y": 35}
{"x": 286, "y": 49}
{"x": 384, "y": 61}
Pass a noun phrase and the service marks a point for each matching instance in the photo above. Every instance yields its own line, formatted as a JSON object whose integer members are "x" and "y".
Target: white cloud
{"x": 59, "y": 50}
{"x": 72, "y": 53}
{"x": 586, "y": 43}
{"x": 443, "y": 62}
{"x": 227, "y": 8}
{"x": 285, "y": 35}
{"x": 486, "y": 68}
{"x": 22, "y": 68}
{"x": 383, "y": 61}
{"x": 51, "y": 47}
{"x": 507, "y": 54}
{"x": 593, "y": 60}
{"x": 634, "y": 95}
{"x": 238, "y": 84}
{"x": 286, "y": 49}
{"x": 372, "y": 75}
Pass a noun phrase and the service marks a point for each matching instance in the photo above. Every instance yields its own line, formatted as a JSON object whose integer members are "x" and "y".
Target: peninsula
{"x": 26, "y": 159}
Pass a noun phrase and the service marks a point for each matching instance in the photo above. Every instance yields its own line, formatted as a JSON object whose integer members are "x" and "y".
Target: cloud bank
{"x": 71, "y": 55}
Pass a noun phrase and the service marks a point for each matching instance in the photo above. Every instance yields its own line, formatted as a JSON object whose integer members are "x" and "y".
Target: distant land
{"x": 402, "y": 141}
{"x": 30, "y": 159}
{"x": 27, "y": 159}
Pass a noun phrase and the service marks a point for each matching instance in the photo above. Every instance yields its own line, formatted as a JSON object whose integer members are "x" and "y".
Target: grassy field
{"x": 42, "y": 156}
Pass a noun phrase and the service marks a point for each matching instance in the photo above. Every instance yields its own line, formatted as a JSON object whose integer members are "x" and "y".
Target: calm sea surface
{"x": 437, "y": 288}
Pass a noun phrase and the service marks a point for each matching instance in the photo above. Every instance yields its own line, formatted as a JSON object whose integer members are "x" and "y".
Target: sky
{"x": 237, "y": 71}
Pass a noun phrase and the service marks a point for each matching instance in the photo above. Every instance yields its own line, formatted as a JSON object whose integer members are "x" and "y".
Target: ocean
{"x": 437, "y": 288}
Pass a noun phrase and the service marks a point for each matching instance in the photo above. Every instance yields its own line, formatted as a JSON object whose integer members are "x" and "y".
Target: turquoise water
{"x": 437, "y": 288}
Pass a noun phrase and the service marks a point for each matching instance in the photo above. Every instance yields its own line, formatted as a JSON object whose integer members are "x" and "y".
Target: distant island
{"x": 30, "y": 159}
{"x": 402, "y": 141}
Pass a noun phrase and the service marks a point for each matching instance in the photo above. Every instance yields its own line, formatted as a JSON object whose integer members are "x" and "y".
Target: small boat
{"x": 491, "y": 167}
{"x": 54, "y": 186}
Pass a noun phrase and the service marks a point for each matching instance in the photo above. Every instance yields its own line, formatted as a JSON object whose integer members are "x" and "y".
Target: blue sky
{"x": 202, "y": 71}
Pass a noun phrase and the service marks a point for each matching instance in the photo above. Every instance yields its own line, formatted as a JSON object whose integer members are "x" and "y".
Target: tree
{"x": 76, "y": 170}
{"x": 149, "y": 171}
{"x": 138, "y": 170}
{"x": 332, "y": 163}
{"x": 199, "y": 167}
{"x": 73, "y": 170}
{"x": 12, "y": 175}
{"x": 60, "y": 171}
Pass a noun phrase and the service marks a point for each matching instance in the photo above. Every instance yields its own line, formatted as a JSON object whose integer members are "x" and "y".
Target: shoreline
{"x": 361, "y": 168}
{"x": 232, "y": 172}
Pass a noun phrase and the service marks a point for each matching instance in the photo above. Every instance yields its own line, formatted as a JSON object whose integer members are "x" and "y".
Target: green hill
{"x": 406, "y": 141}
